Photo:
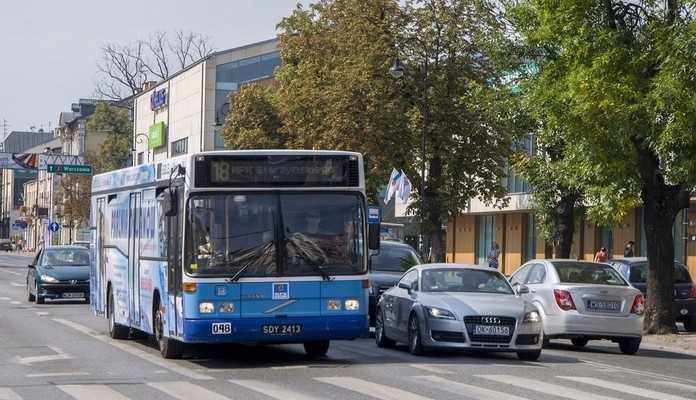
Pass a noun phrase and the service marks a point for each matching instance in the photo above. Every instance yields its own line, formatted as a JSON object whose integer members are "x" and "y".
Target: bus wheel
{"x": 316, "y": 349}
{"x": 116, "y": 331}
{"x": 169, "y": 348}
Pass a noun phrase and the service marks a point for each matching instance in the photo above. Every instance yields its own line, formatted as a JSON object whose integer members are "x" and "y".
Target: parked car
{"x": 582, "y": 301}
{"x": 387, "y": 267}
{"x": 635, "y": 270}
{"x": 458, "y": 307}
{"x": 6, "y": 245}
{"x": 59, "y": 272}
{"x": 82, "y": 243}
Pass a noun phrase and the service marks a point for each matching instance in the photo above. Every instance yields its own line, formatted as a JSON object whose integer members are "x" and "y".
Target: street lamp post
{"x": 142, "y": 138}
{"x": 397, "y": 71}
{"x": 219, "y": 111}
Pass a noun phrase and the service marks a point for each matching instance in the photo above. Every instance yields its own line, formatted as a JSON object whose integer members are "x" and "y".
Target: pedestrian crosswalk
{"x": 415, "y": 387}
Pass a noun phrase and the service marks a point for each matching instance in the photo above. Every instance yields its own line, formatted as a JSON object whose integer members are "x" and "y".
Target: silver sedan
{"x": 582, "y": 301}
{"x": 457, "y": 307}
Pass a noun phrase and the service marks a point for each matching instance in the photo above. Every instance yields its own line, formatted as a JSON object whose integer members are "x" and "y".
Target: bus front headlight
{"x": 206, "y": 307}
{"x": 226, "y": 307}
{"x": 352, "y": 304}
{"x": 333, "y": 304}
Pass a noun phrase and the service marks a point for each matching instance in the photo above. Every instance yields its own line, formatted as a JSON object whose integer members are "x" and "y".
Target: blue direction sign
{"x": 53, "y": 227}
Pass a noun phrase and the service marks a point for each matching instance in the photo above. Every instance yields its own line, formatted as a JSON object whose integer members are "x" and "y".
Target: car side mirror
{"x": 521, "y": 289}
{"x": 406, "y": 285}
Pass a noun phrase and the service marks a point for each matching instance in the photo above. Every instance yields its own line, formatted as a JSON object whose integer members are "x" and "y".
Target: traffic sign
{"x": 53, "y": 227}
{"x": 69, "y": 169}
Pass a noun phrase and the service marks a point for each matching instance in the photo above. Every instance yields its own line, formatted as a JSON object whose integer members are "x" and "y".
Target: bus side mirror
{"x": 373, "y": 236}
{"x": 169, "y": 202}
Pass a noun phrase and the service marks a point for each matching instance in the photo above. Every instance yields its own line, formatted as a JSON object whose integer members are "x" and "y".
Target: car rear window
{"x": 598, "y": 274}
{"x": 394, "y": 259}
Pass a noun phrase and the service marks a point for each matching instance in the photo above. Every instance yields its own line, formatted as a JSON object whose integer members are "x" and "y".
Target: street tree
{"x": 124, "y": 68}
{"x": 334, "y": 92}
{"x": 616, "y": 83}
{"x": 115, "y": 151}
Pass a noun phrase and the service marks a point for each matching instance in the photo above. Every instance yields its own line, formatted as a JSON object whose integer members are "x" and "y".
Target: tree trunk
{"x": 564, "y": 224}
{"x": 661, "y": 203}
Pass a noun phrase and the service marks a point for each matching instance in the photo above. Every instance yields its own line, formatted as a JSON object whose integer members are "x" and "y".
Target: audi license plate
{"x": 74, "y": 295}
{"x": 603, "y": 305}
{"x": 281, "y": 329}
{"x": 491, "y": 330}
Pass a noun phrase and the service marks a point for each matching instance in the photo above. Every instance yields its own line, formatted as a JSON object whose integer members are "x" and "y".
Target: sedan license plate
{"x": 603, "y": 305}
{"x": 281, "y": 329}
{"x": 74, "y": 295}
{"x": 491, "y": 330}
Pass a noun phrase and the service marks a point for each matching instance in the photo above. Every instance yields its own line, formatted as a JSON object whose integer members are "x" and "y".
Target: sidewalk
{"x": 682, "y": 342}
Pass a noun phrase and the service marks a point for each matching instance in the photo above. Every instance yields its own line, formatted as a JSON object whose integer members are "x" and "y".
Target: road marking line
{"x": 372, "y": 389}
{"x": 544, "y": 387}
{"x": 470, "y": 390}
{"x": 89, "y": 392}
{"x": 155, "y": 359}
{"x": 628, "y": 389}
{"x": 8, "y": 394}
{"x": 186, "y": 390}
{"x": 272, "y": 390}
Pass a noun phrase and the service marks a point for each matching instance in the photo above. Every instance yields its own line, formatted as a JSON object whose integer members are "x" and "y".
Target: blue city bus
{"x": 257, "y": 246}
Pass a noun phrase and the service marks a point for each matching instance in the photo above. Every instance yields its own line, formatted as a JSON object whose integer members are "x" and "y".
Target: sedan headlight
{"x": 439, "y": 313}
{"x": 48, "y": 279}
{"x": 532, "y": 316}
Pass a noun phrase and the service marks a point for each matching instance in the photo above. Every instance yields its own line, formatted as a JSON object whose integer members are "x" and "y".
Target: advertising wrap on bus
{"x": 234, "y": 247}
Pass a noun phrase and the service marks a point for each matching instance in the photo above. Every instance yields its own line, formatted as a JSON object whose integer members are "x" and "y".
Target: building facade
{"x": 184, "y": 113}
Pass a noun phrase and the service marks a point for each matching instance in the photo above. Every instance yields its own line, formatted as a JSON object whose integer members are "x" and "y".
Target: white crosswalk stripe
{"x": 432, "y": 386}
{"x": 545, "y": 387}
{"x": 186, "y": 390}
{"x": 273, "y": 390}
{"x": 376, "y": 390}
{"x": 628, "y": 389}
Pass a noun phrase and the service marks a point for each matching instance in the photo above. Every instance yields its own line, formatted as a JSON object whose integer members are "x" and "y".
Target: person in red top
{"x": 601, "y": 255}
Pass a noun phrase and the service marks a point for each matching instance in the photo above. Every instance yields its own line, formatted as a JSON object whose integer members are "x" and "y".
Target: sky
{"x": 49, "y": 48}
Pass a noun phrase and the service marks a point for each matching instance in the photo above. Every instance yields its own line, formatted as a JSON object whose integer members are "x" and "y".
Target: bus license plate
{"x": 74, "y": 295}
{"x": 491, "y": 330}
{"x": 222, "y": 328}
{"x": 281, "y": 329}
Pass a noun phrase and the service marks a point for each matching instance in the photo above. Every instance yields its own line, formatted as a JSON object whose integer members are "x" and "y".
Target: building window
{"x": 180, "y": 146}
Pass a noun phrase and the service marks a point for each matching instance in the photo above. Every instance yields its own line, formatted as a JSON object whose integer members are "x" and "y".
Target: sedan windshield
{"x": 65, "y": 257}
{"x": 465, "y": 280}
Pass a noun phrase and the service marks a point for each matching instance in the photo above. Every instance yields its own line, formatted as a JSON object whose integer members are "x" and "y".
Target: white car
{"x": 458, "y": 307}
{"x": 582, "y": 301}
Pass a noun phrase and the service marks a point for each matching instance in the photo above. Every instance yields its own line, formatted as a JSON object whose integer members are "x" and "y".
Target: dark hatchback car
{"x": 635, "y": 270}
{"x": 387, "y": 267}
{"x": 59, "y": 272}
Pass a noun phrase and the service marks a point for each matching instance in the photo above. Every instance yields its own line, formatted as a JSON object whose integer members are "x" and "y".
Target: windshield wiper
{"x": 303, "y": 254}
{"x": 255, "y": 256}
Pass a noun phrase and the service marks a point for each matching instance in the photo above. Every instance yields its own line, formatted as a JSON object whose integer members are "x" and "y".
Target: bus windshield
{"x": 238, "y": 235}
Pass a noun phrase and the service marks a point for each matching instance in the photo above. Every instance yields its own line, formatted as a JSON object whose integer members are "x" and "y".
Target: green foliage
{"x": 254, "y": 122}
{"x": 115, "y": 152}
{"x": 614, "y": 99}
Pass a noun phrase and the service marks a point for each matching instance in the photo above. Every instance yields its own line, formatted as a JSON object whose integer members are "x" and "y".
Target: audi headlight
{"x": 532, "y": 316}
{"x": 48, "y": 279}
{"x": 439, "y": 313}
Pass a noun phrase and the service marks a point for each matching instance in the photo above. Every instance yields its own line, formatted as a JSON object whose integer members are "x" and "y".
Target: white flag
{"x": 394, "y": 181}
{"x": 403, "y": 192}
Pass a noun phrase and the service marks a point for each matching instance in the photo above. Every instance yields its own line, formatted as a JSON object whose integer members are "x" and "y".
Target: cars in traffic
{"x": 386, "y": 268}
{"x": 635, "y": 270}
{"x": 59, "y": 272}
{"x": 6, "y": 245}
{"x": 444, "y": 306}
{"x": 582, "y": 301}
